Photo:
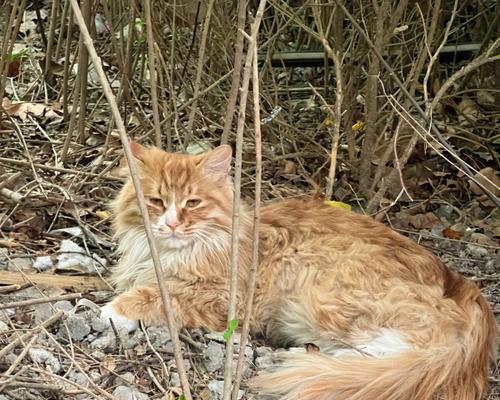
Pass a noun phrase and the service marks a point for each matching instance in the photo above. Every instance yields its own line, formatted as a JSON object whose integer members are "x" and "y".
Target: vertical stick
{"x": 238, "y": 61}
{"x": 199, "y": 70}
{"x": 134, "y": 174}
{"x": 256, "y": 224}
{"x": 16, "y": 17}
{"x": 50, "y": 40}
{"x": 152, "y": 72}
{"x": 83, "y": 68}
{"x": 237, "y": 193}
{"x": 67, "y": 64}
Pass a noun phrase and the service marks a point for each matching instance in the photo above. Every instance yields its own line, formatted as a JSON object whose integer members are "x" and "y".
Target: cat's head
{"x": 189, "y": 198}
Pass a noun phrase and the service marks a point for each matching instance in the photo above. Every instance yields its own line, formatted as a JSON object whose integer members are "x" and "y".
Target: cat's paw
{"x": 120, "y": 321}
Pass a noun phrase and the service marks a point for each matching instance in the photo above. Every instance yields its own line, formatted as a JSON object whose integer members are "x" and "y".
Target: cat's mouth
{"x": 172, "y": 239}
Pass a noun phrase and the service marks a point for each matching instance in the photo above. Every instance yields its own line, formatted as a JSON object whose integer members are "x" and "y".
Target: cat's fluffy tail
{"x": 456, "y": 371}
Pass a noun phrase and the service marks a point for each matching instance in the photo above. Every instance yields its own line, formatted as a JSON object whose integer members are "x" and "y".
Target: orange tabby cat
{"x": 391, "y": 321}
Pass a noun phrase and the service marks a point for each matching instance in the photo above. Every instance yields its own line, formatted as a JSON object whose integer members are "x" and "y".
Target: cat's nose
{"x": 173, "y": 225}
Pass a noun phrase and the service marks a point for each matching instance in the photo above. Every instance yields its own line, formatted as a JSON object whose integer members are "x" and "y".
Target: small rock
{"x": 63, "y": 305}
{"x": 2, "y": 397}
{"x": 159, "y": 335}
{"x": 264, "y": 362}
{"x": 263, "y": 351}
{"x": 445, "y": 211}
{"x": 73, "y": 257}
{"x": 175, "y": 380}
{"x": 20, "y": 264}
{"x": 41, "y": 312}
{"x": 490, "y": 266}
{"x": 79, "y": 378}
{"x": 217, "y": 390}
{"x": 98, "y": 355}
{"x": 43, "y": 263}
{"x": 3, "y": 326}
{"x": 263, "y": 357}
{"x": 77, "y": 326}
{"x": 129, "y": 393}
{"x": 10, "y": 358}
{"x": 481, "y": 239}
{"x": 98, "y": 325}
{"x": 214, "y": 356}
{"x": 46, "y": 358}
{"x": 104, "y": 342}
{"x": 477, "y": 251}
{"x": 126, "y": 379}
{"x": 95, "y": 376}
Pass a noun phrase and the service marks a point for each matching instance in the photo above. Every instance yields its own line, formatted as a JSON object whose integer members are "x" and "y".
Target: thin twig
{"x": 134, "y": 173}
{"x": 24, "y": 303}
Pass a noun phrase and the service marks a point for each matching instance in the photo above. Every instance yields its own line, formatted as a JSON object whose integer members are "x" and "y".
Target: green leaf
{"x": 182, "y": 397}
{"x": 233, "y": 324}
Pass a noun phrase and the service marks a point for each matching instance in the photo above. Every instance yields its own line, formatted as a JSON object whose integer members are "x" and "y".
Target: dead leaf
{"x": 108, "y": 364}
{"x": 423, "y": 221}
{"x": 13, "y": 69}
{"x": 489, "y": 178}
{"x": 104, "y": 214}
{"x": 469, "y": 111}
{"x": 452, "y": 234}
{"x": 9, "y": 244}
{"x": 22, "y": 109}
{"x": 289, "y": 168}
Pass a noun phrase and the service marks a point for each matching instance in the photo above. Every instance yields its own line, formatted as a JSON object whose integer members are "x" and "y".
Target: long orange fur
{"x": 326, "y": 275}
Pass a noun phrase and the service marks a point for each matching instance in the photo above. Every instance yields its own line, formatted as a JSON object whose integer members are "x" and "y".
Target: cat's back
{"x": 313, "y": 228}
{"x": 317, "y": 217}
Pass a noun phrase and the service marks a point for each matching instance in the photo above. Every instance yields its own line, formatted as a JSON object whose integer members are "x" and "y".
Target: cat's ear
{"x": 138, "y": 151}
{"x": 217, "y": 162}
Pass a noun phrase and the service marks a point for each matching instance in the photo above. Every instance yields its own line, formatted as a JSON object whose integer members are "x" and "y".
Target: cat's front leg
{"x": 194, "y": 304}
{"x": 136, "y": 304}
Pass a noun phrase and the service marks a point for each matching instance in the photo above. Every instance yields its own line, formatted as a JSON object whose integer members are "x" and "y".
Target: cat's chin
{"x": 174, "y": 242}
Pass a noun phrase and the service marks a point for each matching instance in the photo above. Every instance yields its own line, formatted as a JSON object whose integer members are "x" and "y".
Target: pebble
{"x": 78, "y": 327}
{"x": 477, "y": 251}
{"x": 46, "y": 358}
{"x": 3, "y": 326}
{"x": 129, "y": 393}
{"x": 43, "y": 263}
{"x": 104, "y": 342}
{"x": 20, "y": 264}
{"x": 263, "y": 357}
{"x": 213, "y": 356}
{"x": 175, "y": 380}
{"x": 481, "y": 239}
{"x": 126, "y": 379}
{"x": 217, "y": 389}
{"x": 158, "y": 335}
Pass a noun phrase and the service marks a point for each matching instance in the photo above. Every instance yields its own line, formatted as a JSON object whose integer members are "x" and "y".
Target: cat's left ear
{"x": 217, "y": 162}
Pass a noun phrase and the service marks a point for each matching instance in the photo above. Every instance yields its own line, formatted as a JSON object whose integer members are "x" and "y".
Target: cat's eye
{"x": 191, "y": 203}
{"x": 155, "y": 201}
